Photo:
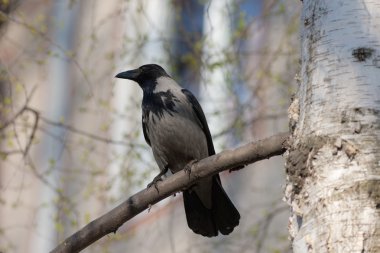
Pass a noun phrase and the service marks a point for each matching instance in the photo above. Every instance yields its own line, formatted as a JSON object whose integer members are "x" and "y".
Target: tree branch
{"x": 88, "y": 135}
{"x": 140, "y": 201}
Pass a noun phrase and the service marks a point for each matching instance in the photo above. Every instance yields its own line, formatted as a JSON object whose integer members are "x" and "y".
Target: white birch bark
{"x": 333, "y": 164}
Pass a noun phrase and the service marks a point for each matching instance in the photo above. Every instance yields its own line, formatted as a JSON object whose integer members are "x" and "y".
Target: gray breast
{"x": 177, "y": 138}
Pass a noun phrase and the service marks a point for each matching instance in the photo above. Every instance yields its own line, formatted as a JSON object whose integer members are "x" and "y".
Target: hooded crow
{"x": 176, "y": 129}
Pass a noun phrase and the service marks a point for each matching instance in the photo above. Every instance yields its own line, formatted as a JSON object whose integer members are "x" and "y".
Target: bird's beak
{"x": 130, "y": 74}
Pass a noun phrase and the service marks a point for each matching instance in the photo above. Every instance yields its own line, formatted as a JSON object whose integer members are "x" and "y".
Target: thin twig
{"x": 18, "y": 113}
{"x": 86, "y": 134}
{"x": 51, "y": 41}
{"x": 34, "y": 129}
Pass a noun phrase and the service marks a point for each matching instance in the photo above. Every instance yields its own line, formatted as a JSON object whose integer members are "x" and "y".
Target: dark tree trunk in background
{"x": 188, "y": 32}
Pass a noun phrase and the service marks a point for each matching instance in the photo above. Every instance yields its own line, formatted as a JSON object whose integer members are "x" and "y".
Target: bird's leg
{"x": 189, "y": 165}
{"x": 158, "y": 178}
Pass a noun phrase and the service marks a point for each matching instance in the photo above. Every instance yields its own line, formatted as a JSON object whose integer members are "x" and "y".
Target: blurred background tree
{"x": 71, "y": 138}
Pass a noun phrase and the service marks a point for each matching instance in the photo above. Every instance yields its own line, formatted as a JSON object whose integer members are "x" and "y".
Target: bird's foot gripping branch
{"x": 189, "y": 166}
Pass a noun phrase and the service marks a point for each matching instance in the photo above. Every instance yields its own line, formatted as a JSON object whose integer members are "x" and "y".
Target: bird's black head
{"x": 146, "y": 75}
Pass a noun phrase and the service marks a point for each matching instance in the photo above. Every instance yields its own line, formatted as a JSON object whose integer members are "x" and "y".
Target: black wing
{"x": 202, "y": 119}
{"x": 145, "y": 116}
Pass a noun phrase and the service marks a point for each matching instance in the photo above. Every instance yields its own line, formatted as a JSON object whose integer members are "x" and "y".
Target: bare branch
{"x": 12, "y": 121}
{"x": 140, "y": 201}
{"x": 18, "y": 113}
{"x": 44, "y": 35}
{"x": 34, "y": 129}
{"x": 87, "y": 134}
{"x": 247, "y": 123}
{"x": 10, "y": 152}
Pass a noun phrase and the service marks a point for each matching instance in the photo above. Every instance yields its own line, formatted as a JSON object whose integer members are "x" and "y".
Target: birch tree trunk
{"x": 333, "y": 163}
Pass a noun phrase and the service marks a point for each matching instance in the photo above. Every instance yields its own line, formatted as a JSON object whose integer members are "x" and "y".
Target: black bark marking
{"x": 362, "y": 53}
{"x": 306, "y": 22}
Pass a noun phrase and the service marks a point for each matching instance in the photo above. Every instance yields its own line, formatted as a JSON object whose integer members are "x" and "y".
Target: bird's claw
{"x": 189, "y": 165}
{"x": 154, "y": 182}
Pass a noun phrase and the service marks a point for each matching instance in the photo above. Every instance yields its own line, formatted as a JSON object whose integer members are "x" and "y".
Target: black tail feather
{"x": 223, "y": 216}
{"x": 199, "y": 218}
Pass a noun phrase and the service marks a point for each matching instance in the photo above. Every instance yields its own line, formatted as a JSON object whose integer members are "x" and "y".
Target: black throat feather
{"x": 158, "y": 103}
